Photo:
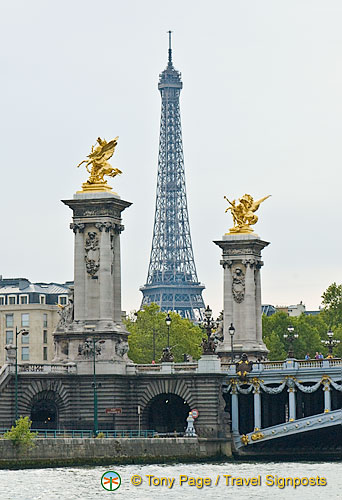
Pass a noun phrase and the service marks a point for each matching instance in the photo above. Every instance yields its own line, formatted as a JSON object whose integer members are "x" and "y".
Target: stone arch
{"x": 167, "y": 413}
{"x": 40, "y": 389}
{"x": 167, "y": 386}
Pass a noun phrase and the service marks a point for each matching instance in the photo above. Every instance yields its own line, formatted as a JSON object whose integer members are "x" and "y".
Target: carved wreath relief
{"x": 238, "y": 285}
{"x": 92, "y": 253}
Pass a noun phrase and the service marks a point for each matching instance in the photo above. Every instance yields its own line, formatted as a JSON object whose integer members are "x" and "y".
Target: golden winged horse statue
{"x": 100, "y": 167}
{"x": 243, "y": 213}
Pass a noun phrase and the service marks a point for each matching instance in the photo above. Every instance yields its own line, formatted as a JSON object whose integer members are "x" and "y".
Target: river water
{"x": 84, "y": 483}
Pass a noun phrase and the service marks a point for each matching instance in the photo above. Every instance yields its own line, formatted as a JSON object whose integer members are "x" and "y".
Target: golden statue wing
{"x": 109, "y": 148}
{"x": 256, "y": 204}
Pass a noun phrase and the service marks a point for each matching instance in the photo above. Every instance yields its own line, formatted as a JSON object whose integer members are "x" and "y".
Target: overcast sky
{"x": 261, "y": 113}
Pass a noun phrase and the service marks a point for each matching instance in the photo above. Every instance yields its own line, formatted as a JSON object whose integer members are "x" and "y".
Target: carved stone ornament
{"x": 167, "y": 356}
{"x": 92, "y": 256}
{"x": 238, "y": 285}
{"x": 66, "y": 313}
{"x": 121, "y": 348}
{"x": 86, "y": 349}
{"x": 77, "y": 227}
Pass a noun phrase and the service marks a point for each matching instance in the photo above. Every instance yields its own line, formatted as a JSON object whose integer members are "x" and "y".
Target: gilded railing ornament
{"x": 243, "y": 213}
{"x": 100, "y": 167}
{"x": 257, "y": 435}
{"x": 244, "y": 439}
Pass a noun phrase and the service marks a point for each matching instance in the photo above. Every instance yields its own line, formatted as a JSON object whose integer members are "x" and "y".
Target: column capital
{"x": 226, "y": 263}
{"x": 249, "y": 262}
{"x": 77, "y": 227}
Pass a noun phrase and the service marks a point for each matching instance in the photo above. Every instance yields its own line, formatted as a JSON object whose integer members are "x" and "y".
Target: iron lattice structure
{"x": 172, "y": 281}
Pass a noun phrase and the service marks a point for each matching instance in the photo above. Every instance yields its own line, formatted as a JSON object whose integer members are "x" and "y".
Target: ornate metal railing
{"x": 52, "y": 433}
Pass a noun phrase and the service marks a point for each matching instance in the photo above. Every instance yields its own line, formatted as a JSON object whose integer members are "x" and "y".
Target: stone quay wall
{"x": 49, "y": 452}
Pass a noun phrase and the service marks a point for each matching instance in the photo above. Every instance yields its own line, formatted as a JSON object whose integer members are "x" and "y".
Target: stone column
{"x": 79, "y": 271}
{"x": 97, "y": 285}
{"x": 250, "y": 320}
{"x": 292, "y": 403}
{"x": 106, "y": 291}
{"x": 117, "y": 273}
{"x": 235, "y": 411}
{"x": 241, "y": 260}
{"x": 227, "y": 299}
{"x": 258, "y": 314}
{"x": 327, "y": 397}
{"x": 257, "y": 408}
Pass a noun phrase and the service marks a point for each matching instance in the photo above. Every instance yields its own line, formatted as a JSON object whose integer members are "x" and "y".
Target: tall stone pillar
{"x": 95, "y": 308}
{"x": 241, "y": 261}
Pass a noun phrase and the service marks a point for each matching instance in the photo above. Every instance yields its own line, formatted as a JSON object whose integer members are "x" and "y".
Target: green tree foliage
{"x": 332, "y": 303}
{"x": 310, "y": 329}
{"x": 185, "y": 337}
{"x": 20, "y": 434}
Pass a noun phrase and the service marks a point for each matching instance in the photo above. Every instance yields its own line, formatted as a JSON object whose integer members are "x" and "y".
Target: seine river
{"x": 84, "y": 483}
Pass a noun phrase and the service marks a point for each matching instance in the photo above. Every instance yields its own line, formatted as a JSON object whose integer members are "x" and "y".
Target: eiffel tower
{"x": 172, "y": 281}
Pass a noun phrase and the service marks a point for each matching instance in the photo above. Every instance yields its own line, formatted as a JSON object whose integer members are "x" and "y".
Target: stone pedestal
{"x": 241, "y": 261}
{"x": 209, "y": 363}
{"x": 94, "y": 308}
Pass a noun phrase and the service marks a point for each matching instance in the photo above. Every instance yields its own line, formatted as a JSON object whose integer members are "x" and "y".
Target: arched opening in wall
{"x": 44, "y": 411}
{"x": 167, "y": 413}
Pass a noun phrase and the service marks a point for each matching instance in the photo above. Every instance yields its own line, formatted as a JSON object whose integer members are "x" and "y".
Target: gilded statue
{"x": 243, "y": 213}
{"x": 100, "y": 167}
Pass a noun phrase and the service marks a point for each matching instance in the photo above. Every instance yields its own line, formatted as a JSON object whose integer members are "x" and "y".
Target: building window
{"x": 2, "y": 301}
{"x": 25, "y": 353}
{"x": 44, "y": 336}
{"x": 9, "y": 320}
{"x": 9, "y": 336}
{"x": 45, "y": 320}
{"x": 12, "y": 300}
{"x": 45, "y": 353}
{"x": 42, "y": 299}
{"x": 62, "y": 300}
{"x": 25, "y": 319}
{"x": 25, "y": 339}
{"x": 23, "y": 299}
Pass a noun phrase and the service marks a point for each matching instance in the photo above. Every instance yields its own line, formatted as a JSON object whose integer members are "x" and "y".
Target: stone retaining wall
{"x": 66, "y": 451}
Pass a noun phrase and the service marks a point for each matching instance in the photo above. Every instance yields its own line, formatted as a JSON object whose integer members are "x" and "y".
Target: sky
{"x": 261, "y": 111}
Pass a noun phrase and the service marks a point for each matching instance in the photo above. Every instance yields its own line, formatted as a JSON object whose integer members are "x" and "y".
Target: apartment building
{"x": 32, "y": 307}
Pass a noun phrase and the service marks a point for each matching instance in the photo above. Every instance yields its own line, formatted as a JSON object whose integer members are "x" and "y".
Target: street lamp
{"x": 290, "y": 337}
{"x": 330, "y": 343}
{"x": 168, "y": 322}
{"x": 231, "y": 331}
{"x": 208, "y": 324}
{"x": 17, "y": 332}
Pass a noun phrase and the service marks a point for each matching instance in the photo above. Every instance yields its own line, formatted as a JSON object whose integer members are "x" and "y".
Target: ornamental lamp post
{"x": 208, "y": 324}
{"x": 231, "y": 331}
{"x": 290, "y": 337}
{"x": 330, "y": 343}
{"x": 168, "y": 322}
{"x": 17, "y": 333}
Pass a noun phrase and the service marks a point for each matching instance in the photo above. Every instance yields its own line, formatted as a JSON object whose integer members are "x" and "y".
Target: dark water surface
{"x": 76, "y": 483}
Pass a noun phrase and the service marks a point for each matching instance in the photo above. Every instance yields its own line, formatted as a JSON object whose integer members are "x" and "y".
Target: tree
{"x": 21, "y": 434}
{"x": 310, "y": 329}
{"x": 185, "y": 337}
{"x": 332, "y": 303}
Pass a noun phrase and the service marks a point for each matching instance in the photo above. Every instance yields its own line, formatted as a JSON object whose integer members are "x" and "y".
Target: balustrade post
{"x": 257, "y": 408}
{"x": 292, "y": 403}
{"x": 235, "y": 411}
{"x": 327, "y": 397}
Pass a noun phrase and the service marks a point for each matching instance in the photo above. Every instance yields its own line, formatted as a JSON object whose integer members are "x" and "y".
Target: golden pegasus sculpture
{"x": 243, "y": 213}
{"x": 100, "y": 167}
